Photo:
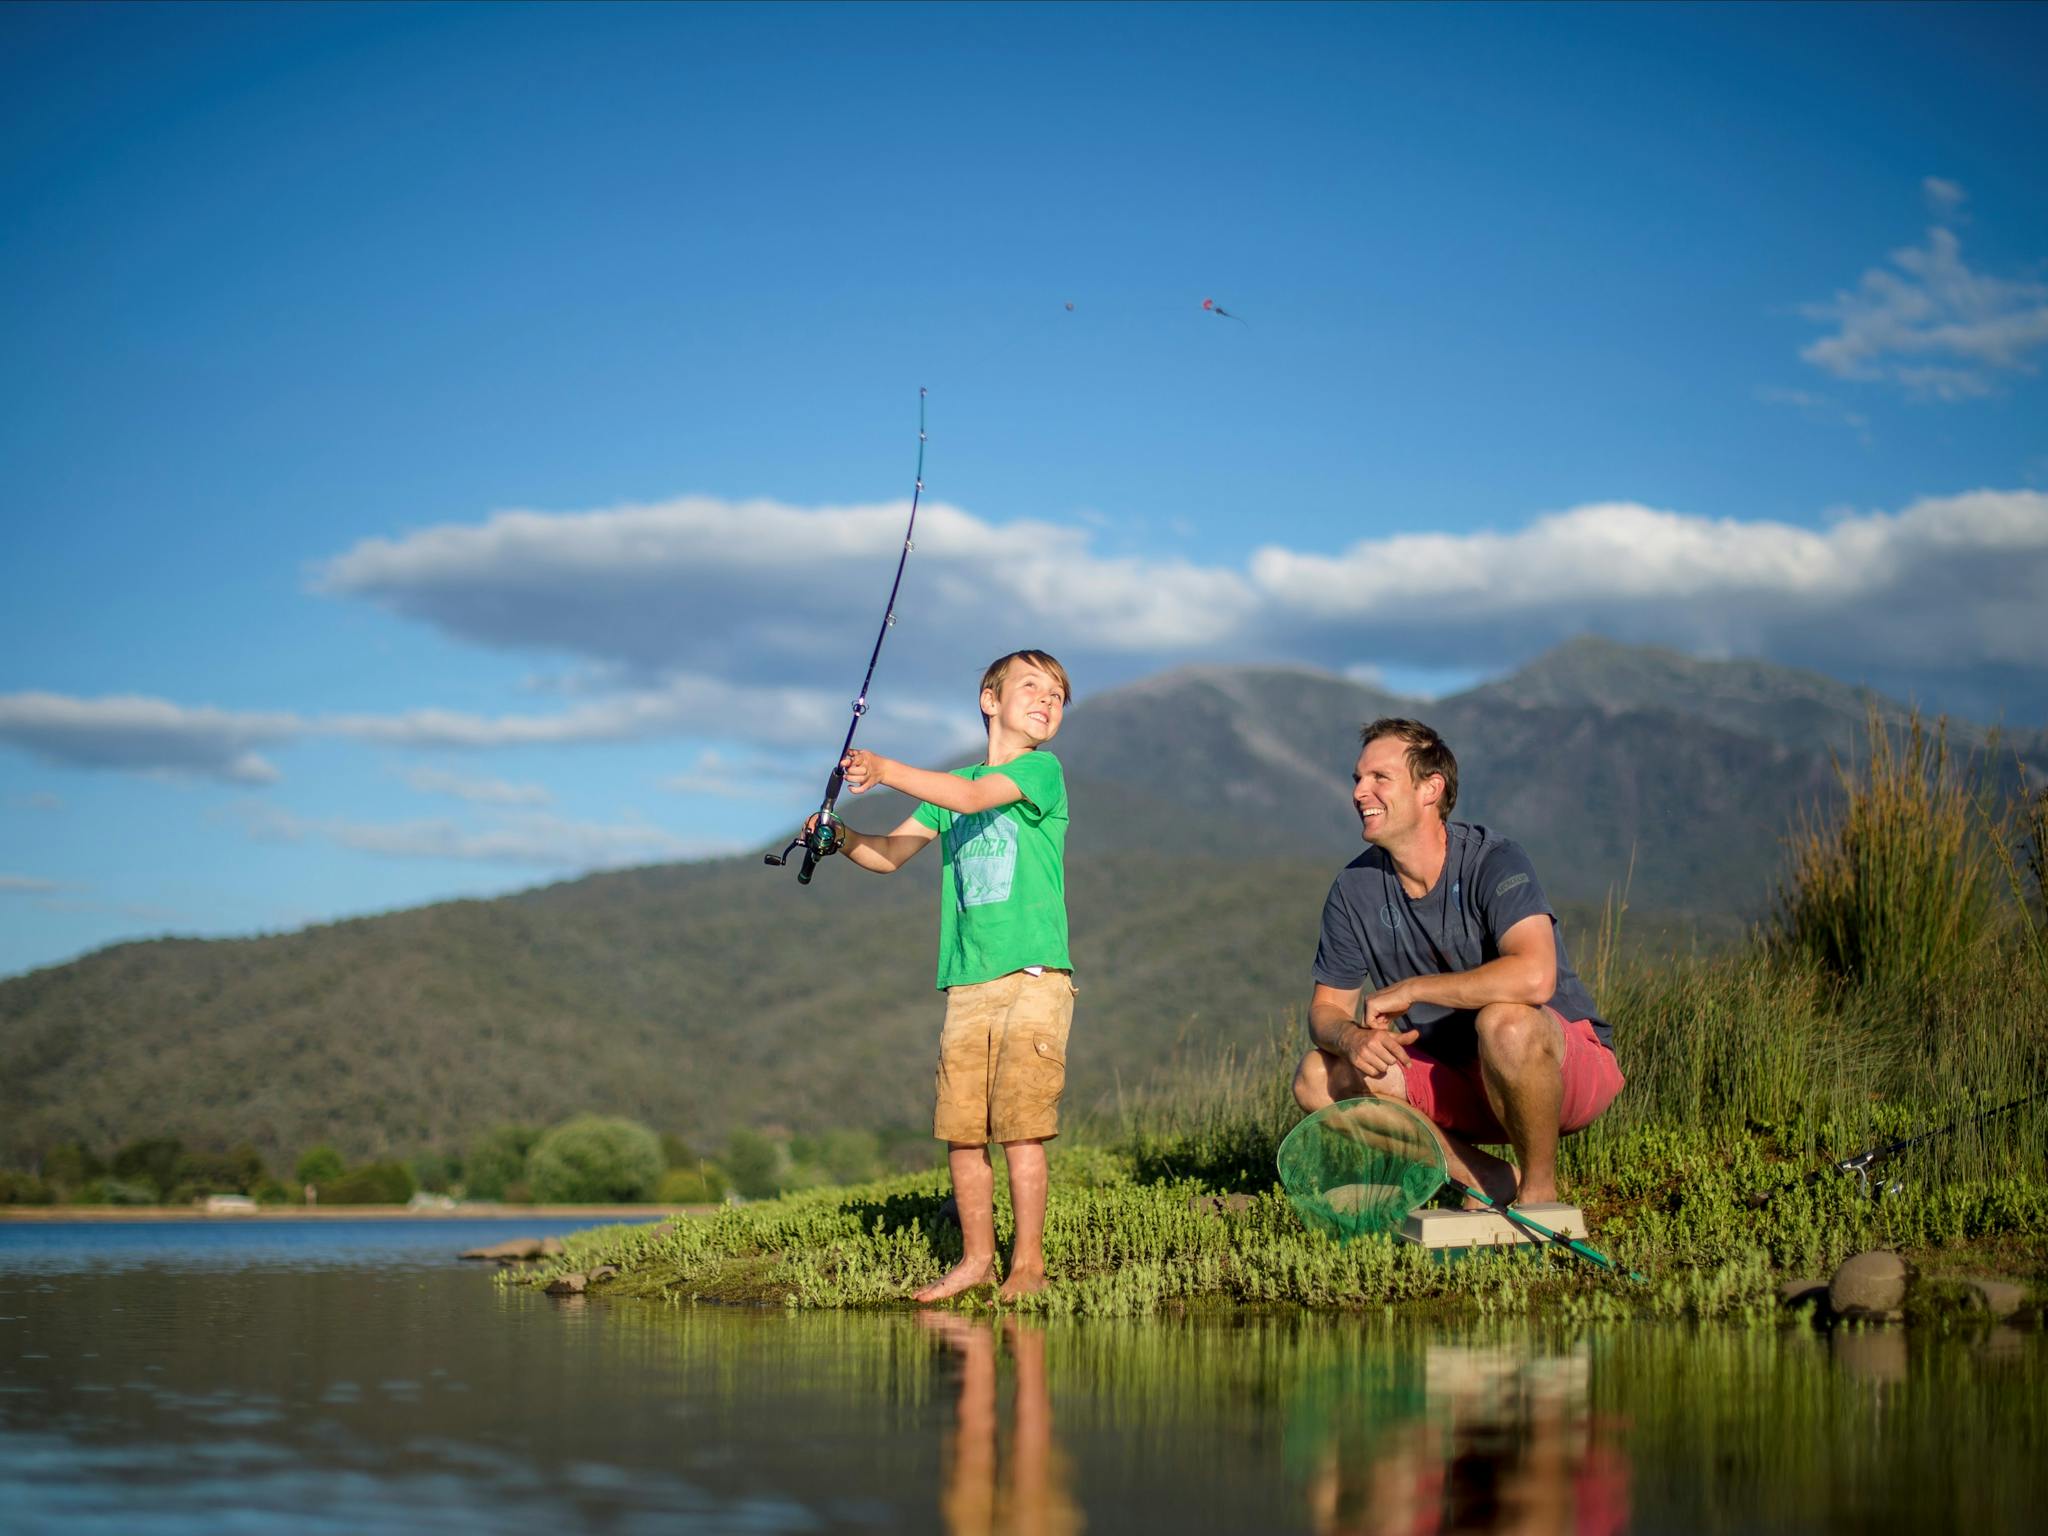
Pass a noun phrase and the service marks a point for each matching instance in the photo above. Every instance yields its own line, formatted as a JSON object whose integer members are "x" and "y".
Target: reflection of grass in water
{"x": 1745, "y": 1070}
{"x": 1723, "y": 1429}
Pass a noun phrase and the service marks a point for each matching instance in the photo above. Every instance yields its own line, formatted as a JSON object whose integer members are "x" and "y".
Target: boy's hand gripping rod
{"x": 822, "y": 839}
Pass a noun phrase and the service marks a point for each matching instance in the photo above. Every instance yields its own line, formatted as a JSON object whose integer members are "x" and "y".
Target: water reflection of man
{"x": 1033, "y": 1499}
{"x": 1507, "y": 1444}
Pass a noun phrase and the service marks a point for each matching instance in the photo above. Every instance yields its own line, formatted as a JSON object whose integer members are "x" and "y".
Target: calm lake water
{"x": 350, "y": 1376}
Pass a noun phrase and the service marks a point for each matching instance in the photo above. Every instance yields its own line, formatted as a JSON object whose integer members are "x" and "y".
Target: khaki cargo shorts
{"x": 1003, "y": 1058}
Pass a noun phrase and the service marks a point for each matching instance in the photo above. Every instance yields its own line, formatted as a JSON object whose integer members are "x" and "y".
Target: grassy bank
{"x": 1902, "y": 986}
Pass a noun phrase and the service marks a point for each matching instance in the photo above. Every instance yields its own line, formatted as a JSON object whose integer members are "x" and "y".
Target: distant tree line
{"x": 585, "y": 1160}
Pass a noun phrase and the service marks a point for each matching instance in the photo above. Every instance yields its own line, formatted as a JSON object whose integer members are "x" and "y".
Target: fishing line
{"x": 822, "y": 839}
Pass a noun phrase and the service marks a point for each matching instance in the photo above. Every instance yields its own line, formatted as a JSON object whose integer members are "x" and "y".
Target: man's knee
{"x": 1312, "y": 1080}
{"x": 1515, "y": 1034}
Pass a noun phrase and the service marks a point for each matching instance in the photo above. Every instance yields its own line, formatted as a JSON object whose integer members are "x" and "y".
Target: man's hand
{"x": 864, "y": 770}
{"x": 1388, "y": 1004}
{"x": 1373, "y": 1049}
{"x": 1376, "y": 1045}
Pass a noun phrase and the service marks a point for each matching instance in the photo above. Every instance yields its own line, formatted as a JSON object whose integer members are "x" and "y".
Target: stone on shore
{"x": 1794, "y": 1294}
{"x": 1870, "y": 1287}
{"x": 2000, "y": 1298}
{"x": 516, "y": 1250}
{"x": 568, "y": 1285}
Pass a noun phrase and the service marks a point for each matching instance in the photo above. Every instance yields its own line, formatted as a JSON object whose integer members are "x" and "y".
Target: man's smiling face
{"x": 1389, "y": 802}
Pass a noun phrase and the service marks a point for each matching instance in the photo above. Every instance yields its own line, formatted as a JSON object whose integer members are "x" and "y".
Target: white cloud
{"x": 749, "y": 777}
{"x": 1948, "y": 588}
{"x": 1948, "y": 584}
{"x": 437, "y": 781}
{"x": 28, "y": 884}
{"x": 147, "y": 735}
{"x": 1945, "y": 198}
{"x": 1931, "y": 324}
{"x": 760, "y": 590}
{"x": 531, "y": 838}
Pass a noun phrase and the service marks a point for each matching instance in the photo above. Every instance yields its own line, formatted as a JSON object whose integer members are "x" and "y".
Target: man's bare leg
{"x": 1027, "y": 1203}
{"x": 1323, "y": 1079}
{"x": 1521, "y": 1062}
{"x": 974, "y": 1191}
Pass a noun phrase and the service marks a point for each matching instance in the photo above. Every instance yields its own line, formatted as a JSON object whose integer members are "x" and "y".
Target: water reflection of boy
{"x": 1034, "y": 1500}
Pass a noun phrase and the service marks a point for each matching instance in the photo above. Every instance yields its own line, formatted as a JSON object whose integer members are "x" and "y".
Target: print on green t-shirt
{"x": 1003, "y": 890}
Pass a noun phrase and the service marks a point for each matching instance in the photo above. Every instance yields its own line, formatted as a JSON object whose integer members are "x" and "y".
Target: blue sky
{"x": 448, "y": 449}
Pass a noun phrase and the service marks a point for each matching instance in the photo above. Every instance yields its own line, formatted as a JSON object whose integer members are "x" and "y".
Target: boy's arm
{"x": 885, "y": 853}
{"x": 867, "y": 770}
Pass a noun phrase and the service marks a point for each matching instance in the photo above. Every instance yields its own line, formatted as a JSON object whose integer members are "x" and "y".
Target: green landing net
{"x": 1360, "y": 1166}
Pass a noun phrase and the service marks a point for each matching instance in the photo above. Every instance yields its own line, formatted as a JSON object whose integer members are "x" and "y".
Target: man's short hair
{"x": 1427, "y": 754}
{"x": 999, "y": 670}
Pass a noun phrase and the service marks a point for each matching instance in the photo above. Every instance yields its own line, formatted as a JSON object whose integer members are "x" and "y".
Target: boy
{"x": 1002, "y": 953}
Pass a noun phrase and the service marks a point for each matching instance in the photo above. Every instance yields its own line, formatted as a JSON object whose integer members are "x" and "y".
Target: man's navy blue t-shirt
{"x": 1374, "y": 935}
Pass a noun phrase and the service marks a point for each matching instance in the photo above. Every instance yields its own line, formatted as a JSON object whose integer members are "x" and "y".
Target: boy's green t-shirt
{"x": 1003, "y": 895}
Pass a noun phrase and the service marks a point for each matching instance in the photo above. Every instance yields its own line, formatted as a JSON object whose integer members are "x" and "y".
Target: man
{"x": 1478, "y": 1020}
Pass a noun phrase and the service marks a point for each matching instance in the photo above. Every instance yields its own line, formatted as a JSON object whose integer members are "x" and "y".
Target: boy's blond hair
{"x": 999, "y": 670}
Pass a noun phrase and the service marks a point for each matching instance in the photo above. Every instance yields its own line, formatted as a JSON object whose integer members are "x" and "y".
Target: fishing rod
{"x": 1864, "y": 1161}
{"x": 1583, "y": 1249}
{"x": 821, "y": 839}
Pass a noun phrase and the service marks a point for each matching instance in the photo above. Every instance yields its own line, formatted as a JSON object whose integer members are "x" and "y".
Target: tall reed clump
{"x": 1896, "y": 893}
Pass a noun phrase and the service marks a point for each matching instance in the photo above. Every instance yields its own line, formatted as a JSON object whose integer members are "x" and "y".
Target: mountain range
{"x": 1211, "y": 808}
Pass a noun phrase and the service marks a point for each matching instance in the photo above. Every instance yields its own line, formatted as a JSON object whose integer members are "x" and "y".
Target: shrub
{"x": 497, "y": 1161}
{"x": 690, "y": 1186}
{"x": 153, "y": 1160}
{"x": 371, "y": 1184}
{"x": 1897, "y": 892}
{"x": 754, "y": 1164}
{"x": 112, "y": 1191}
{"x": 317, "y": 1165}
{"x": 219, "y": 1173}
{"x": 24, "y": 1189}
{"x": 430, "y": 1170}
{"x": 595, "y": 1158}
{"x": 72, "y": 1165}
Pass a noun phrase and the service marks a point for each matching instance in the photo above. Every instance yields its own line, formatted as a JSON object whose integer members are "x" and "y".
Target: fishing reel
{"x": 818, "y": 842}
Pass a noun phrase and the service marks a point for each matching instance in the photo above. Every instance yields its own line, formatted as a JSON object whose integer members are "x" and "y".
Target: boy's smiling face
{"x": 1030, "y": 706}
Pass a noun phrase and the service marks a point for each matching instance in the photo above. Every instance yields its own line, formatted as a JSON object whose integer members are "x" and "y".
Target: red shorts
{"x": 1454, "y": 1097}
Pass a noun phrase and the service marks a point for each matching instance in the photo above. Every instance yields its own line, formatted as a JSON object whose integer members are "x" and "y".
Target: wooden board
{"x": 1489, "y": 1229}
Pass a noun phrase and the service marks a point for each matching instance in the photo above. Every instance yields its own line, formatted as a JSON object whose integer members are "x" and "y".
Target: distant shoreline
{"x": 478, "y": 1212}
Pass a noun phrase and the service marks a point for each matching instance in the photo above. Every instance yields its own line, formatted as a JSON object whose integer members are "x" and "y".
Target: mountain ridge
{"x": 1211, "y": 811}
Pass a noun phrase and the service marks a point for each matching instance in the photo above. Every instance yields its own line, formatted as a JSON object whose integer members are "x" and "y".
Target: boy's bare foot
{"x": 1022, "y": 1282}
{"x": 964, "y": 1276}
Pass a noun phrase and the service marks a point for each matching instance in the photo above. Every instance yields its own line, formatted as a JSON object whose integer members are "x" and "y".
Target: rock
{"x": 603, "y": 1272}
{"x": 568, "y": 1285}
{"x": 551, "y": 1248}
{"x": 513, "y": 1251}
{"x": 2001, "y": 1298}
{"x": 1870, "y": 1286}
{"x": 1794, "y": 1294}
